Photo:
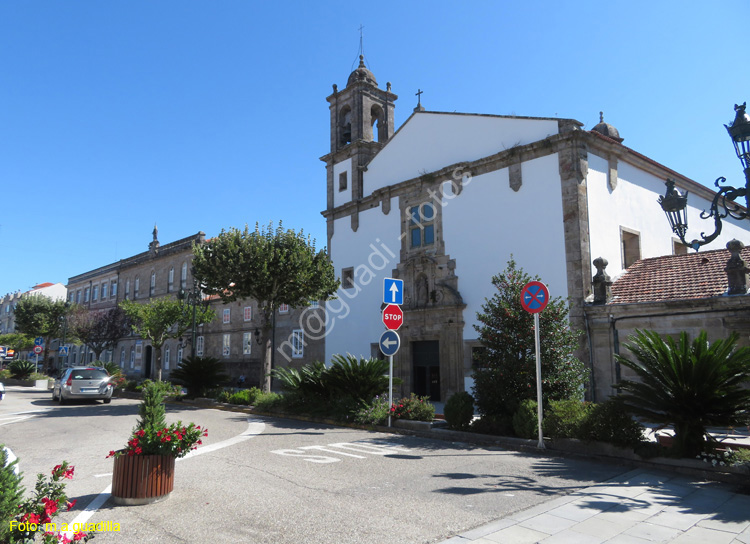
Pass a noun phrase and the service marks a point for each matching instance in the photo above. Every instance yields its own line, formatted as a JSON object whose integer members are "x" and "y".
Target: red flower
{"x": 63, "y": 539}
{"x": 140, "y": 433}
{"x": 130, "y": 452}
{"x": 30, "y": 518}
{"x": 71, "y": 504}
{"x": 111, "y": 454}
{"x": 69, "y": 473}
{"x": 79, "y": 536}
{"x": 138, "y": 451}
{"x": 50, "y": 506}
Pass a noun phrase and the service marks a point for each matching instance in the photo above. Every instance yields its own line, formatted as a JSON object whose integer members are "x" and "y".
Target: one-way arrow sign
{"x": 393, "y": 291}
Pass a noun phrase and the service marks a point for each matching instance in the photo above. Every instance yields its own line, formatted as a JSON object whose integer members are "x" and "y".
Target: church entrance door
{"x": 426, "y": 375}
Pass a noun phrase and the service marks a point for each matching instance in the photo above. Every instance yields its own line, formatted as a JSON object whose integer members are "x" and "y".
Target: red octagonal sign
{"x": 393, "y": 317}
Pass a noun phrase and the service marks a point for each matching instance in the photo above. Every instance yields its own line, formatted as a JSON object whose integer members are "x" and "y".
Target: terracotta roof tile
{"x": 696, "y": 275}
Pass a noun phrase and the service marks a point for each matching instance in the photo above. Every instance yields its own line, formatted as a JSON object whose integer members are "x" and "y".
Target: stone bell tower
{"x": 361, "y": 123}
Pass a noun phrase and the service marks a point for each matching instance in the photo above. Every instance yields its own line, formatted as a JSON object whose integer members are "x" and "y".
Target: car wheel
{"x": 61, "y": 399}
{"x": 107, "y": 401}
{"x": 54, "y": 398}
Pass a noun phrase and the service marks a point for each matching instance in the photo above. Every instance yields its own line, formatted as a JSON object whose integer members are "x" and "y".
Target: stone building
{"x": 165, "y": 270}
{"x": 445, "y": 201}
{"x": 669, "y": 295}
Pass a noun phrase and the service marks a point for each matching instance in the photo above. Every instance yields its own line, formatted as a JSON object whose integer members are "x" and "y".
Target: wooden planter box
{"x": 142, "y": 479}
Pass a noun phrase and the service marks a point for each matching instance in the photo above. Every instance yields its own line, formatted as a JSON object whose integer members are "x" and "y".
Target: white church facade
{"x": 446, "y": 200}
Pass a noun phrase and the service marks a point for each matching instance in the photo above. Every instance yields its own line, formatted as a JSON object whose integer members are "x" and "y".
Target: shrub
{"x": 131, "y": 385}
{"x": 690, "y": 385}
{"x": 307, "y": 381}
{"x": 564, "y": 417}
{"x": 610, "y": 422}
{"x": 246, "y": 397}
{"x": 167, "y": 389}
{"x": 268, "y": 402}
{"x": 4, "y": 374}
{"x": 21, "y": 370}
{"x": 199, "y": 374}
{"x": 151, "y": 409}
{"x": 459, "y": 411}
{"x": 11, "y": 492}
{"x": 414, "y": 408}
{"x": 526, "y": 420}
{"x": 493, "y": 424}
{"x": 374, "y": 413}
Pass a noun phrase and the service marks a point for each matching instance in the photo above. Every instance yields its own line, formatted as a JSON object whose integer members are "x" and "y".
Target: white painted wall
{"x": 488, "y": 221}
{"x": 342, "y": 197}
{"x": 353, "y": 321}
{"x": 56, "y": 292}
{"x": 431, "y": 141}
{"x": 634, "y": 205}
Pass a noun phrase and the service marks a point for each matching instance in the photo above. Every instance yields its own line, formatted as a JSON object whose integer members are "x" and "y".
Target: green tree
{"x": 162, "y": 319}
{"x": 690, "y": 385}
{"x": 40, "y": 316}
{"x": 271, "y": 265}
{"x": 506, "y": 370}
{"x": 16, "y": 341}
{"x": 98, "y": 329}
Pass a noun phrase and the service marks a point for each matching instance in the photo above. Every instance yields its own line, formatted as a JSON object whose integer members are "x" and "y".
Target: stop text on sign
{"x": 393, "y": 317}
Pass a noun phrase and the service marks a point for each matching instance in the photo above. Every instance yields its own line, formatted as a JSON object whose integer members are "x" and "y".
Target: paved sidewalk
{"x": 639, "y": 507}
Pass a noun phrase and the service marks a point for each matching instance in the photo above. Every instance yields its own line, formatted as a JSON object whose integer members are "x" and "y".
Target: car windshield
{"x": 88, "y": 374}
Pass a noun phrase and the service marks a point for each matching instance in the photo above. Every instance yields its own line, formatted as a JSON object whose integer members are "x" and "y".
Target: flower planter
{"x": 142, "y": 479}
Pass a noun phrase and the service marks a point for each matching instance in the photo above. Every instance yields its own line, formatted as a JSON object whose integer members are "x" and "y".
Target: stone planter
{"x": 142, "y": 479}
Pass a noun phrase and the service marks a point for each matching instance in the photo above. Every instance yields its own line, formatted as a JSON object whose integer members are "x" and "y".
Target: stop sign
{"x": 393, "y": 317}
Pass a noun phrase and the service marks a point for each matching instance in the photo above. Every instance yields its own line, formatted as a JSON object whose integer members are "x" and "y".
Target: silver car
{"x": 83, "y": 382}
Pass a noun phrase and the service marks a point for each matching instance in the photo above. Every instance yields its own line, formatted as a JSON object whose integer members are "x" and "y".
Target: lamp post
{"x": 192, "y": 298}
{"x": 724, "y": 203}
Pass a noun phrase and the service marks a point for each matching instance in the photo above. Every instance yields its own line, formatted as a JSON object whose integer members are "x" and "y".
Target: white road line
{"x": 254, "y": 428}
{"x": 15, "y": 417}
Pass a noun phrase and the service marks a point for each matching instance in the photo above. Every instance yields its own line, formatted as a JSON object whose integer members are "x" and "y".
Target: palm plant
{"x": 690, "y": 385}
{"x": 361, "y": 379}
{"x": 199, "y": 374}
{"x": 308, "y": 380}
{"x": 21, "y": 370}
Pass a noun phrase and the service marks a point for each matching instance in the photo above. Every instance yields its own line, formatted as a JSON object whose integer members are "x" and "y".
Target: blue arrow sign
{"x": 393, "y": 291}
{"x": 38, "y": 341}
{"x": 389, "y": 343}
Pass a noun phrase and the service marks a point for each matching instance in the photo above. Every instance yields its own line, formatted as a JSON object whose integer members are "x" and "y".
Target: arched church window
{"x": 376, "y": 118}
{"x": 346, "y": 125}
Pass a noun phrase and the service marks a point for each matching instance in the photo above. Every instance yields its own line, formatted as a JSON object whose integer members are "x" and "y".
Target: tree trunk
{"x": 266, "y": 369}
{"x": 157, "y": 362}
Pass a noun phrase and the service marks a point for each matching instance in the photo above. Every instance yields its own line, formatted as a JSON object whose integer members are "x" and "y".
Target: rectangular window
{"x": 86, "y": 294}
{"x": 225, "y": 345}
{"x": 226, "y": 316}
{"x": 314, "y": 304}
{"x": 421, "y": 225}
{"x": 183, "y": 276}
{"x": 113, "y": 290}
{"x": 347, "y": 278}
{"x": 199, "y": 346}
{"x": 298, "y": 343}
{"x": 137, "y": 287}
{"x": 248, "y": 313}
{"x": 247, "y": 343}
{"x": 179, "y": 356}
{"x": 283, "y": 308}
{"x": 122, "y": 357}
{"x": 631, "y": 247}
{"x": 342, "y": 181}
{"x": 104, "y": 290}
{"x": 166, "y": 358}
{"x": 170, "y": 280}
{"x": 78, "y": 296}
{"x": 132, "y": 357}
{"x": 95, "y": 293}
{"x": 152, "y": 286}
{"x": 127, "y": 289}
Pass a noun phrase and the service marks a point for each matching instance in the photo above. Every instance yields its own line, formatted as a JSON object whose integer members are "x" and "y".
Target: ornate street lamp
{"x": 674, "y": 203}
{"x": 193, "y": 298}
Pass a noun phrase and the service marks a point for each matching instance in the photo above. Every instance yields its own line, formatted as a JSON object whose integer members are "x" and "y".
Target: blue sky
{"x": 200, "y": 115}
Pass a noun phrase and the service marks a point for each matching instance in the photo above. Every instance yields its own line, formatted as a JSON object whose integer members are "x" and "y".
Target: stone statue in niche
{"x": 421, "y": 288}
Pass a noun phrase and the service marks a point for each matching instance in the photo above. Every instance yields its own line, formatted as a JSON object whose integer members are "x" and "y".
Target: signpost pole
{"x": 390, "y": 387}
{"x": 539, "y": 406}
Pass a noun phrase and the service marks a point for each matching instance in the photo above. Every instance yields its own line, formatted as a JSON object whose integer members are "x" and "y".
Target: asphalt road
{"x": 270, "y": 480}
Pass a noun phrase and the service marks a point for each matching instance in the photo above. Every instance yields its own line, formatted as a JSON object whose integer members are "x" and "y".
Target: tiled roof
{"x": 696, "y": 275}
{"x": 43, "y": 285}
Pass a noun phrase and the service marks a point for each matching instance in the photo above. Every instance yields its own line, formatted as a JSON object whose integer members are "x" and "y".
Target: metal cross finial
{"x": 418, "y": 94}
{"x": 601, "y": 116}
{"x": 361, "y": 39}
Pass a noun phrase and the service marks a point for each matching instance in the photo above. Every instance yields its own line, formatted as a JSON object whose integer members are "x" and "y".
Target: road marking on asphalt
{"x": 15, "y": 417}
{"x": 386, "y": 448}
{"x": 254, "y": 428}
